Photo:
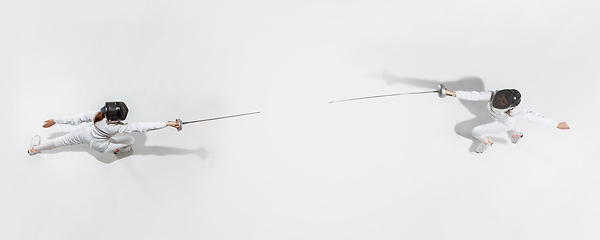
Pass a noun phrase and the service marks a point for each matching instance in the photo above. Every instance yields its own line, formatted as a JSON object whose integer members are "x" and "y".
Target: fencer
{"x": 100, "y": 135}
{"x": 504, "y": 106}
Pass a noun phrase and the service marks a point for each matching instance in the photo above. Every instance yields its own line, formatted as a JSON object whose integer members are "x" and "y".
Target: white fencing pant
{"x": 72, "y": 138}
{"x": 45, "y": 145}
{"x": 120, "y": 143}
{"x": 481, "y": 131}
{"x": 84, "y": 136}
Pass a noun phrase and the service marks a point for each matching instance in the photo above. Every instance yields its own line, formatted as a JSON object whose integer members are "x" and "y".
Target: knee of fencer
{"x": 475, "y": 132}
{"x": 59, "y": 142}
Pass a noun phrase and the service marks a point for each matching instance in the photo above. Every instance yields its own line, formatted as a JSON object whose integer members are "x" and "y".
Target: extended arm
{"x": 72, "y": 120}
{"x": 536, "y": 117}
{"x": 471, "y": 96}
{"x": 145, "y": 127}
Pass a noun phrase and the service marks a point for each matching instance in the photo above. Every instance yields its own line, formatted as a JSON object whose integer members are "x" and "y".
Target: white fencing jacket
{"x": 500, "y": 114}
{"x": 102, "y": 131}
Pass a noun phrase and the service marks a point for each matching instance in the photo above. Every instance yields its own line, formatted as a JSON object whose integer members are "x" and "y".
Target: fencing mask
{"x": 506, "y": 98}
{"x": 115, "y": 111}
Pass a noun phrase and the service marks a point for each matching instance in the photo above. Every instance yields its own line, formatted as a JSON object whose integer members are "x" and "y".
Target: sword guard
{"x": 441, "y": 91}
{"x": 180, "y": 123}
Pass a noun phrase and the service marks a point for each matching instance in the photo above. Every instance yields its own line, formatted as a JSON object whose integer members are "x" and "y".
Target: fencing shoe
{"x": 483, "y": 146}
{"x": 515, "y": 138}
{"x": 123, "y": 150}
{"x": 35, "y": 141}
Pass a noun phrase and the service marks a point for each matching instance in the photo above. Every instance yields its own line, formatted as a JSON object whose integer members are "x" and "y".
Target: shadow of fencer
{"x": 56, "y": 135}
{"x": 477, "y": 108}
{"x": 139, "y": 148}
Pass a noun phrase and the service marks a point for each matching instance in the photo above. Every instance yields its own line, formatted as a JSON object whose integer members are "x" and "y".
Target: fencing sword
{"x": 181, "y": 123}
{"x": 441, "y": 93}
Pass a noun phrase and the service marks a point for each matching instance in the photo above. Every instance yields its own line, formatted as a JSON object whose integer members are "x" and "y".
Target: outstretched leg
{"x": 480, "y": 132}
{"x": 69, "y": 139}
{"x": 46, "y": 145}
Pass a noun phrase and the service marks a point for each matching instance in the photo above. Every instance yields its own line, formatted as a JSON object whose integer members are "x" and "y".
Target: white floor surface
{"x": 388, "y": 168}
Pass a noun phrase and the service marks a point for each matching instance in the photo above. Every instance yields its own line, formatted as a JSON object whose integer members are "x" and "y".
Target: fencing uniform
{"x": 504, "y": 122}
{"x": 100, "y": 135}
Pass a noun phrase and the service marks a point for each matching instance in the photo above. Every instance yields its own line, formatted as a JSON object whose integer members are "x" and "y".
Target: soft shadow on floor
{"x": 477, "y": 108}
{"x": 139, "y": 148}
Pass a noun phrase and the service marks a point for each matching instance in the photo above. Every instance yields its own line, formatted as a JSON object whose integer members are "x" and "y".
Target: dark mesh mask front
{"x": 507, "y": 98}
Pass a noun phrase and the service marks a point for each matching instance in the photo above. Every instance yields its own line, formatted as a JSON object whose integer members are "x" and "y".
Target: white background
{"x": 389, "y": 168}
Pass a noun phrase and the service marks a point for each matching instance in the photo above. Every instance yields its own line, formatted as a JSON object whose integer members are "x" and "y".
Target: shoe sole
{"x": 515, "y": 142}
{"x": 485, "y": 149}
{"x": 32, "y": 145}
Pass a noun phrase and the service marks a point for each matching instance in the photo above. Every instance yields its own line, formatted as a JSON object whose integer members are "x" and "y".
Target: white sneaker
{"x": 483, "y": 146}
{"x": 35, "y": 141}
{"x": 515, "y": 138}
{"x": 123, "y": 150}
